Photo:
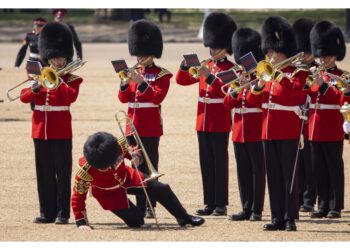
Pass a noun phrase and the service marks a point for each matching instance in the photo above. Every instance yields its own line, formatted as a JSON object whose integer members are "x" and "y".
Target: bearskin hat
{"x": 55, "y": 40}
{"x": 246, "y": 40}
{"x": 218, "y": 31}
{"x": 101, "y": 150}
{"x": 145, "y": 39}
{"x": 327, "y": 40}
{"x": 302, "y": 28}
{"x": 278, "y": 35}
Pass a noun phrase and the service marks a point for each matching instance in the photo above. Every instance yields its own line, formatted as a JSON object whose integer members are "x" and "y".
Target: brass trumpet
{"x": 194, "y": 70}
{"x": 343, "y": 81}
{"x": 123, "y": 74}
{"x": 267, "y": 72}
{"x": 49, "y": 77}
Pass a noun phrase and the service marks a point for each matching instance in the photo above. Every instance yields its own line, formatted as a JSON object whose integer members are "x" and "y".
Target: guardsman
{"x": 59, "y": 15}
{"x": 146, "y": 90}
{"x": 31, "y": 40}
{"x": 281, "y": 123}
{"x": 246, "y": 132}
{"x": 213, "y": 119}
{"x": 307, "y": 182}
{"x": 52, "y": 126}
{"x": 102, "y": 168}
{"x": 325, "y": 123}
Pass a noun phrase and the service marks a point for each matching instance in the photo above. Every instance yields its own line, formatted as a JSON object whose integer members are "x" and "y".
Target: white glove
{"x": 17, "y": 68}
{"x": 346, "y": 127}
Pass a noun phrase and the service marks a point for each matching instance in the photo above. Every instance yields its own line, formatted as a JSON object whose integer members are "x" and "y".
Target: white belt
{"x": 51, "y": 108}
{"x": 34, "y": 55}
{"x": 247, "y": 110}
{"x": 324, "y": 106}
{"x": 136, "y": 105}
{"x": 210, "y": 100}
{"x": 275, "y": 106}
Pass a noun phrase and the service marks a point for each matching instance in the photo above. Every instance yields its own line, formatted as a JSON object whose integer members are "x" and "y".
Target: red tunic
{"x": 326, "y": 124}
{"x": 108, "y": 187}
{"x": 48, "y": 124}
{"x": 247, "y": 120}
{"x": 281, "y": 124}
{"x": 147, "y": 120}
{"x": 211, "y": 117}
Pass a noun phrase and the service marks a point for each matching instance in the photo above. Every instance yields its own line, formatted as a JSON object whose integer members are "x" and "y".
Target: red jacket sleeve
{"x": 230, "y": 102}
{"x": 157, "y": 91}
{"x": 80, "y": 190}
{"x": 69, "y": 91}
{"x": 125, "y": 95}
{"x": 297, "y": 80}
{"x": 184, "y": 78}
{"x": 27, "y": 95}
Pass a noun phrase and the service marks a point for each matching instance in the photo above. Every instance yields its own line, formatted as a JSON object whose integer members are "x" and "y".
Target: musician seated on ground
{"x": 103, "y": 169}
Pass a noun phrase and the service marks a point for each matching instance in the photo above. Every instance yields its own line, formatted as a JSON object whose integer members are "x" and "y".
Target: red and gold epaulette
{"x": 82, "y": 172}
{"x": 72, "y": 78}
{"x": 163, "y": 73}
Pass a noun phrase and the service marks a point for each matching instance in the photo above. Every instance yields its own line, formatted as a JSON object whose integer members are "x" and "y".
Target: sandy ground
{"x": 94, "y": 111}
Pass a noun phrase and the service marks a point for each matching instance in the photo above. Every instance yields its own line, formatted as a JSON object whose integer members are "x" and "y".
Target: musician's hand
{"x": 136, "y": 77}
{"x": 137, "y": 157}
{"x": 85, "y": 228}
{"x": 35, "y": 86}
{"x": 203, "y": 71}
{"x": 346, "y": 127}
{"x": 318, "y": 80}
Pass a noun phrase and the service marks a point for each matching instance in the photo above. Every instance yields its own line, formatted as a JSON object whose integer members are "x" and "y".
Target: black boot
{"x": 191, "y": 220}
{"x": 207, "y": 210}
{"x": 219, "y": 211}
{"x": 333, "y": 214}
{"x": 43, "y": 220}
{"x": 318, "y": 214}
{"x": 243, "y": 215}
{"x": 275, "y": 225}
{"x": 290, "y": 225}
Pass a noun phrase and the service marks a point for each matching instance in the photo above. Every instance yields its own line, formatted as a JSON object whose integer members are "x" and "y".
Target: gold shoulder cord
{"x": 82, "y": 173}
{"x": 164, "y": 72}
{"x": 122, "y": 144}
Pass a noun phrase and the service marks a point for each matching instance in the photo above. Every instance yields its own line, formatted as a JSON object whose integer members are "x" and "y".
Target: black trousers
{"x": 279, "y": 161}
{"x": 151, "y": 145}
{"x": 162, "y": 193}
{"x": 327, "y": 161}
{"x": 53, "y": 160}
{"x": 307, "y": 182}
{"x": 251, "y": 175}
{"x": 213, "y": 156}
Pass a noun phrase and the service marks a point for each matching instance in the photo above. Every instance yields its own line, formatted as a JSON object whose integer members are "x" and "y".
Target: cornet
{"x": 49, "y": 77}
{"x": 123, "y": 74}
{"x": 194, "y": 70}
{"x": 343, "y": 81}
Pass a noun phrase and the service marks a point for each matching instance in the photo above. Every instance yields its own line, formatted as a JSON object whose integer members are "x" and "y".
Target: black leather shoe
{"x": 318, "y": 214}
{"x": 61, "y": 221}
{"x": 255, "y": 217}
{"x": 191, "y": 220}
{"x": 43, "y": 220}
{"x": 290, "y": 225}
{"x": 243, "y": 215}
{"x": 220, "y": 211}
{"x": 208, "y": 210}
{"x": 306, "y": 209}
{"x": 275, "y": 225}
{"x": 333, "y": 214}
{"x": 149, "y": 214}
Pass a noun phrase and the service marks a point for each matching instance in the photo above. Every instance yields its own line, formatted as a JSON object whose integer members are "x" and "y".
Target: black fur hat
{"x": 101, "y": 150}
{"x": 145, "y": 39}
{"x": 218, "y": 31}
{"x": 302, "y": 28}
{"x": 55, "y": 40}
{"x": 327, "y": 40}
{"x": 278, "y": 35}
{"x": 245, "y": 40}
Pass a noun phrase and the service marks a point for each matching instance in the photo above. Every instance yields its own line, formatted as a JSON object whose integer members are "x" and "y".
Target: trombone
{"x": 123, "y": 120}
{"x": 194, "y": 69}
{"x": 267, "y": 72}
{"x": 123, "y": 74}
{"x": 237, "y": 84}
{"x": 49, "y": 77}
